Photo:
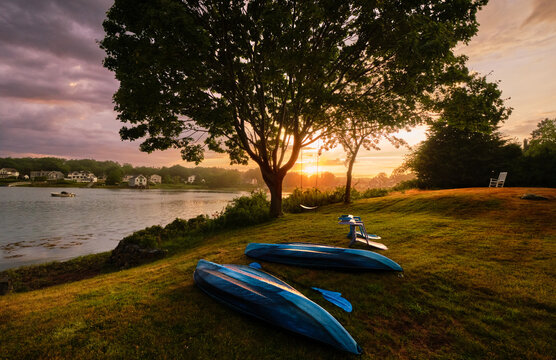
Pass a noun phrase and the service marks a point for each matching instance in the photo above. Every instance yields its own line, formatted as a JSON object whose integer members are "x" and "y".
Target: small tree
{"x": 114, "y": 176}
{"x": 358, "y": 130}
{"x": 258, "y": 79}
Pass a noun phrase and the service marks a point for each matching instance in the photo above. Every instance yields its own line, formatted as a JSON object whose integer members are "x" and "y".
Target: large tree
{"x": 260, "y": 79}
{"x": 463, "y": 147}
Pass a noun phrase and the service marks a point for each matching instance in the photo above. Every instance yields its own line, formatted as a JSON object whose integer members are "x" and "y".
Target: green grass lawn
{"x": 479, "y": 282}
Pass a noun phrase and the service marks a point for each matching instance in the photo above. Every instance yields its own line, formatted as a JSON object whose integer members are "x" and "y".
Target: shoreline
{"x": 119, "y": 187}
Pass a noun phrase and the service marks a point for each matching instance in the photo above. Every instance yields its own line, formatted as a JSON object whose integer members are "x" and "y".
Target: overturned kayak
{"x": 321, "y": 256}
{"x": 265, "y": 297}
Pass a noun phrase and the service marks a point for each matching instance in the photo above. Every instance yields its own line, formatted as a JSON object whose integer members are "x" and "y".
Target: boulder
{"x": 126, "y": 255}
{"x": 533, "y": 197}
{"x": 5, "y": 285}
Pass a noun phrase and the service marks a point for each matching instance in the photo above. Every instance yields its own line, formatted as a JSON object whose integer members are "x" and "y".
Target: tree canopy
{"x": 463, "y": 147}
{"x": 543, "y": 137}
{"x": 261, "y": 79}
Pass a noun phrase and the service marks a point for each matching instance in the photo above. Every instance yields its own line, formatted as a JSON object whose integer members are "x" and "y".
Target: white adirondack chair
{"x": 498, "y": 182}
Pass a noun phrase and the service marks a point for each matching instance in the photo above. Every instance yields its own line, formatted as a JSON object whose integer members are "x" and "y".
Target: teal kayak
{"x": 263, "y": 296}
{"x": 321, "y": 256}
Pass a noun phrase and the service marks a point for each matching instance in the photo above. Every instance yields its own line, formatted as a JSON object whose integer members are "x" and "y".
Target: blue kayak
{"x": 321, "y": 256}
{"x": 259, "y": 294}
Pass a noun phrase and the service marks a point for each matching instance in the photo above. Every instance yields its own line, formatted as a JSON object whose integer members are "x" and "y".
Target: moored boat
{"x": 259, "y": 294}
{"x": 321, "y": 256}
{"x": 63, "y": 194}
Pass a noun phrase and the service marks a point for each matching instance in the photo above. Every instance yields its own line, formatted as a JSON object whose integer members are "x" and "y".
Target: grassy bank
{"x": 478, "y": 283}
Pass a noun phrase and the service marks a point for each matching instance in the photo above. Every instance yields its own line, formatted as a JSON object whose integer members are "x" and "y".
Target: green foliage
{"x": 179, "y": 234}
{"x": 475, "y": 105}
{"x": 452, "y": 157}
{"x": 537, "y": 167}
{"x": 245, "y": 211}
{"x": 148, "y": 238}
{"x": 372, "y": 193}
{"x": 407, "y": 185}
{"x": 260, "y": 79}
{"x": 543, "y": 138}
{"x": 213, "y": 177}
{"x": 114, "y": 176}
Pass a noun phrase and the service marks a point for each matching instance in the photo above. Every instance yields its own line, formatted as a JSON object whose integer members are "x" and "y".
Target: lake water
{"x": 36, "y": 227}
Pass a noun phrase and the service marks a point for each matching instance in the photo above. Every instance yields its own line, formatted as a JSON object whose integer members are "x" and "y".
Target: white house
{"x": 191, "y": 179}
{"x": 82, "y": 176}
{"x": 155, "y": 179}
{"x": 138, "y": 180}
{"x": 8, "y": 172}
{"x": 127, "y": 177}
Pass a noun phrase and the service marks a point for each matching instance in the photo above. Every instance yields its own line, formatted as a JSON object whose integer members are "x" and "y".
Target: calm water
{"x": 36, "y": 227}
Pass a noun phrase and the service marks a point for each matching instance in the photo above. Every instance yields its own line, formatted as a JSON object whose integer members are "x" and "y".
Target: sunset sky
{"x": 55, "y": 96}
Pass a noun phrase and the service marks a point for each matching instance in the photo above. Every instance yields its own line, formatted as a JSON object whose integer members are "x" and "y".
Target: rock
{"x": 5, "y": 285}
{"x": 533, "y": 197}
{"x": 126, "y": 255}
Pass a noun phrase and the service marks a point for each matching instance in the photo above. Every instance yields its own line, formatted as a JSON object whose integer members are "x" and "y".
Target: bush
{"x": 408, "y": 184}
{"x": 149, "y": 238}
{"x": 242, "y": 211}
{"x": 245, "y": 211}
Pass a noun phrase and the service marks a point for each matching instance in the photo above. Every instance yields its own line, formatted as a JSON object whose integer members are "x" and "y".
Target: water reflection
{"x": 36, "y": 227}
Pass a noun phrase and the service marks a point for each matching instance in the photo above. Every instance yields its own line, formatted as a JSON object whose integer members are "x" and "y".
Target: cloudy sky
{"x": 55, "y": 96}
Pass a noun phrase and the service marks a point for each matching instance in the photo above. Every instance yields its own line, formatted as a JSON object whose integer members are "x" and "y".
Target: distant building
{"x": 55, "y": 175}
{"x": 82, "y": 176}
{"x": 138, "y": 181}
{"x": 191, "y": 179}
{"x": 40, "y": 173}
{"x": 8, "y": 172}
{"x": 155, "y": 179}
{"x": 127, "y": 177}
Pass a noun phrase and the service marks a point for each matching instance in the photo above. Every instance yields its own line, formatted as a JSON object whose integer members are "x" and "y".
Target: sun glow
{"x": 310, "y": 170}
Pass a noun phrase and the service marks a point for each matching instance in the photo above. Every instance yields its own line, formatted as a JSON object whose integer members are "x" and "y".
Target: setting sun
{"x": 310, "y": 170}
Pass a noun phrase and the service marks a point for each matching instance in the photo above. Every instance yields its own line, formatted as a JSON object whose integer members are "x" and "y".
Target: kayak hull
{"x": 321, "y": 256}
{"x": 261, "y": 295}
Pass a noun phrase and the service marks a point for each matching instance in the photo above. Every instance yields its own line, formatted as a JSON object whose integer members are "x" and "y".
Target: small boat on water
{"x": 63, "y": 194}
{"x": 321, "y": 256}
{"x": 259, "y": 294}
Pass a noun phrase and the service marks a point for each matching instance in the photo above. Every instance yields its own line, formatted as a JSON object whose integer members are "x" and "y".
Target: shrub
{"x": 372, "y": 193}
{"x": 408, "y": 184}
{"x": 244, "y": 211}
{"x": 149, "y": 238}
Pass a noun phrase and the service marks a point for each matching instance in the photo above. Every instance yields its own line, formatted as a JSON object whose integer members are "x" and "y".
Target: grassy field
{"x": 479, "y": 282}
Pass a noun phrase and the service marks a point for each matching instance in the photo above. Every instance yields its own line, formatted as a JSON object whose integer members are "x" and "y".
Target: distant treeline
{"x": 213, "y": 177}
{"x": 327, "y": 180}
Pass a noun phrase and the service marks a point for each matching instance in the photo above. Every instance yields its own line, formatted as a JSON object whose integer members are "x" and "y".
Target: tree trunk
{"x": 274, "y": 183}
{"x": 347, "y": 195}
